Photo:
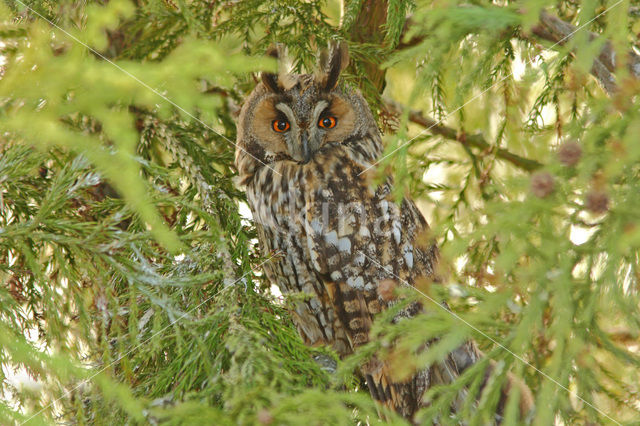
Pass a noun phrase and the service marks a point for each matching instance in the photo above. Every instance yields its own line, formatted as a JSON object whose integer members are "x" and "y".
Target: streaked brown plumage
{"x": 303, "y": 142}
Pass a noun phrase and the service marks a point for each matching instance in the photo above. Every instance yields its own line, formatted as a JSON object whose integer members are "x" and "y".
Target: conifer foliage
{"x": 130, "y": 281}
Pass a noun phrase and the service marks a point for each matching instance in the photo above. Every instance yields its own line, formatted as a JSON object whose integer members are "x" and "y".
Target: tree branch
{"x": 554, "y": 29}
{"x": 476, "y": 140}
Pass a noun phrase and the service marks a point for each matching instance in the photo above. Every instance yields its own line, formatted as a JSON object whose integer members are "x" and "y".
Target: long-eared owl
{"x": 303, "y": 144}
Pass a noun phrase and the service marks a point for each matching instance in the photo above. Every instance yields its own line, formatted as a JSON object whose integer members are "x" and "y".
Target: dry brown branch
{"x": 477, "y": 140}
{"x": 554, "y": 29}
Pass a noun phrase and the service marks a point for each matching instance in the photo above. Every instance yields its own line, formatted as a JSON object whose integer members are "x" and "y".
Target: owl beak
{"x": 306, "y": 149}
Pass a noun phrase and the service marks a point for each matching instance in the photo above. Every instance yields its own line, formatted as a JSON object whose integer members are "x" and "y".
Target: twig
{"x": 554, "y": 29}
{"x": 476, "y": 140}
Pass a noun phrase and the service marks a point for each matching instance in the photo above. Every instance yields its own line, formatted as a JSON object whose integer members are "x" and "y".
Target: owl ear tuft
{"x": 332, "y": 62}
{"x": 270, "y": 80}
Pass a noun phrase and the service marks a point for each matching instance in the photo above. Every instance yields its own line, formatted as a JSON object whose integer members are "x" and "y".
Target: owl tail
{"x": 356, "y": 309}
{"x": 402, "y": 397}
{"x": 406, "y": 397}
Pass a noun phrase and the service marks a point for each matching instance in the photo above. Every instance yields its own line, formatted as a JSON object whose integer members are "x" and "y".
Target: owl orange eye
{"x": 280, "y": 126}
{"x": 327, "y": 122}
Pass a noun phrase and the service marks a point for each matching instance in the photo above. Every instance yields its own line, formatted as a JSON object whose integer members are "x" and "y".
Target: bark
{"x": 369, "y": 28}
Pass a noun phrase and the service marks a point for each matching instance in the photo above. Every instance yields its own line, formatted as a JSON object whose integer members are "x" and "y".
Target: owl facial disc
{"x": 304, "y": 137}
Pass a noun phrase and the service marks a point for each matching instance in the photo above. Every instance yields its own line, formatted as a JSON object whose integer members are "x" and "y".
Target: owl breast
{"x": 276, "y": 198}
{"x": 338, "y": 238}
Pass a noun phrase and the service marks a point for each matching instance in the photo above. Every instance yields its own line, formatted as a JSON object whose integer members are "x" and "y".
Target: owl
{"x": 304, "y": 145}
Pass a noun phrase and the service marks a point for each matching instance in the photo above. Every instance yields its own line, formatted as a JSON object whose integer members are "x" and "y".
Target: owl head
{"x": 294, "y": 118}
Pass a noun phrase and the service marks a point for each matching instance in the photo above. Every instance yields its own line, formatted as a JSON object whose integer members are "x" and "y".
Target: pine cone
{"x": 542, "y": 184}
{"x": 569, "y": 153}
{"x": 597, "y": 201}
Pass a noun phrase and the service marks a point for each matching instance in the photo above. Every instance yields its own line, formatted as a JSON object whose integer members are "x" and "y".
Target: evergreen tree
{"x": 130, "y": 281}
